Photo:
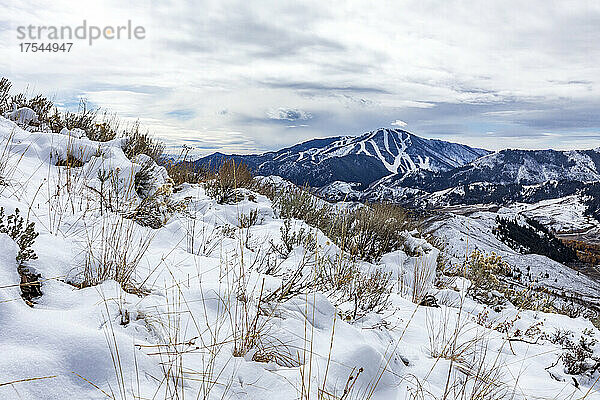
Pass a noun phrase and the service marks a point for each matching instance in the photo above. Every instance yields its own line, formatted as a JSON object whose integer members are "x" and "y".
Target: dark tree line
{"x": 591, "y": 199}
{"x": 533, "y": 237}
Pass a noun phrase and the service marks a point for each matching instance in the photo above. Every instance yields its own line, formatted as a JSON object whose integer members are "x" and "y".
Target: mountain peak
{"x": 364, "y": 158}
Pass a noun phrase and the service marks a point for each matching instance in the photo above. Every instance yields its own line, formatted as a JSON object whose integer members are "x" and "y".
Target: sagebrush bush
{"x": 40, "y": 104}
{"x": 299, "y": 203}
{"x": 22, "y": 232}
{"x": 366, "y": 232}
{"x": 229, "y": 177}
{"x": 487, "y": 273}
{"x": 24, "y": 235}
{"x": 141, "y": 142}
{"x": 291, "y": 238}
{"x": 483, "y": 270}
{"x": 369, "y": 232}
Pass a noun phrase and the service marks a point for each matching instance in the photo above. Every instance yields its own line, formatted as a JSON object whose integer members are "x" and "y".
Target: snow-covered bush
{"x": 292, "y": 238}
{"x": 99, "y": 129}
{"x": 154, "y": 210}
{"x": 155, "y": 189}
{"x": 24, "y": 116}
{"x": 33, "y": 111}
{"x": 579, "y": 357}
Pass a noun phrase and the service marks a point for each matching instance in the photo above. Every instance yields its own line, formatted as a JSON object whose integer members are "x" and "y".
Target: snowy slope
{"x": 203, "y": 273}
{"x": 465, "y": 233}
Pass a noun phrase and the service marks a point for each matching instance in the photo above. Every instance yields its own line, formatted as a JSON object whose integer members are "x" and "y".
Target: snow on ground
{"x": 463, "y": 234}
{"x": 203, "y": 274}
{"x": 566, "y": 214}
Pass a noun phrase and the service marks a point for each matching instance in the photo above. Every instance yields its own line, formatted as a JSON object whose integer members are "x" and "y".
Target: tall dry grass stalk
{"x": 9, "y": 160}
{"x": 114, "y": 250}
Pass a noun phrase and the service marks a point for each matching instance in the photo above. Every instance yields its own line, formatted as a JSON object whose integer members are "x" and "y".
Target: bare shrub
{"x": 299, "y": 203}
{"x": 292, "y": 238}
{"x": 227, "y": 179}
{"x": 371, "y": 231}
{"x": 140, "y": 142}
{"x": 294, "y": 283}
{"x": 182, "y": 170}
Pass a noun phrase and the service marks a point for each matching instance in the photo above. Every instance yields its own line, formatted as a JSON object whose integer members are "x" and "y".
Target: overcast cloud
{"x": 239, "y": 76}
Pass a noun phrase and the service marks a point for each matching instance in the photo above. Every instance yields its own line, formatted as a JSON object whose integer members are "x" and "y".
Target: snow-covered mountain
{"x": 526, "y": 167}
{"x": 362, "y": 159}
{"x": 501, "y": 178}
{"x": 395, "y": 165}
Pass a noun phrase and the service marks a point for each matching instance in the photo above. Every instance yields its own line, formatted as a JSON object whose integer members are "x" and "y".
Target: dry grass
{"x": 138, "y": 142}
{"x": 9, "y": 161}
{"x": 225, "y": 181}
{"x": 366, "y": 232}
{"x": 183, "y": 170}
{"x": 114, "y": 250}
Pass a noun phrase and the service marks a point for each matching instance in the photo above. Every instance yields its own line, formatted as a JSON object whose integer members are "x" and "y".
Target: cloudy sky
{"x": 246, "y": 76}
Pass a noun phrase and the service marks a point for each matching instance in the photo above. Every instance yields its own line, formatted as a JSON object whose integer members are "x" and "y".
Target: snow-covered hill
{"x": 200, "y": 321}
